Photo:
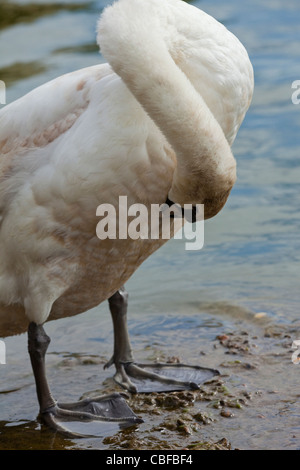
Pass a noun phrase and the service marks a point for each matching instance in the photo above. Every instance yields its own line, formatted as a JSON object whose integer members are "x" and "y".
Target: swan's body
{"x": 79, "y": 150}
{"x": 84, "y": 139}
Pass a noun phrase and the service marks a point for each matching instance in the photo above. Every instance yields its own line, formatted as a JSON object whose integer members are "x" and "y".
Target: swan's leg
{"x": 38, "y": 343}
{"x": 104, "y": 408}
{"x": 122, "y": 355}
{"x": 133, "y": 376}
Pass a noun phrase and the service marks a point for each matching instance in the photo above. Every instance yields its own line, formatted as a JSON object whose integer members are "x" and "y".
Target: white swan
{"x": 156, "y": 122}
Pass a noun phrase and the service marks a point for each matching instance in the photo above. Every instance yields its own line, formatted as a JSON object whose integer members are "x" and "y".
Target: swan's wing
{"x": 39, "y": 132}
{"x": 69, "y": 141}
{"x": 42, "y": 115}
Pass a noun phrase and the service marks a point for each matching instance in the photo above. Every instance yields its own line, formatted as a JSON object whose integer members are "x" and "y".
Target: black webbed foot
{"x": 146, "y": 378}
{"x": 110, "y": 411}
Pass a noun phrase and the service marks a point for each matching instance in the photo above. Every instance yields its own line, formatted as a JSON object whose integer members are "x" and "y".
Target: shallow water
{"x": 181, "y": 301}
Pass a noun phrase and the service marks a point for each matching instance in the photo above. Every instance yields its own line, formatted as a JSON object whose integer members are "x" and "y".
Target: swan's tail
{"x": 138, "y": 38}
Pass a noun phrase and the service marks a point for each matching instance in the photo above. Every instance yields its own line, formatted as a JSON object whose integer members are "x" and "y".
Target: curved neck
{"x": 140, "y": 56}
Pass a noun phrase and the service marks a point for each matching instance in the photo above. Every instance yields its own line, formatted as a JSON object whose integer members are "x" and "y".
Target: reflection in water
{"x": 12, "y": 13}
{"x": 20, "y": 71}
{"x": 24, "y": 434}
{"x": 242, "y": 288}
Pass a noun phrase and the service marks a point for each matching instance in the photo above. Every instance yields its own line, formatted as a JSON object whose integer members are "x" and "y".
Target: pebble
{"x": 222, "y": 337}
{"x": 227, "y": 414}
{"x": 260, "y": 315}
